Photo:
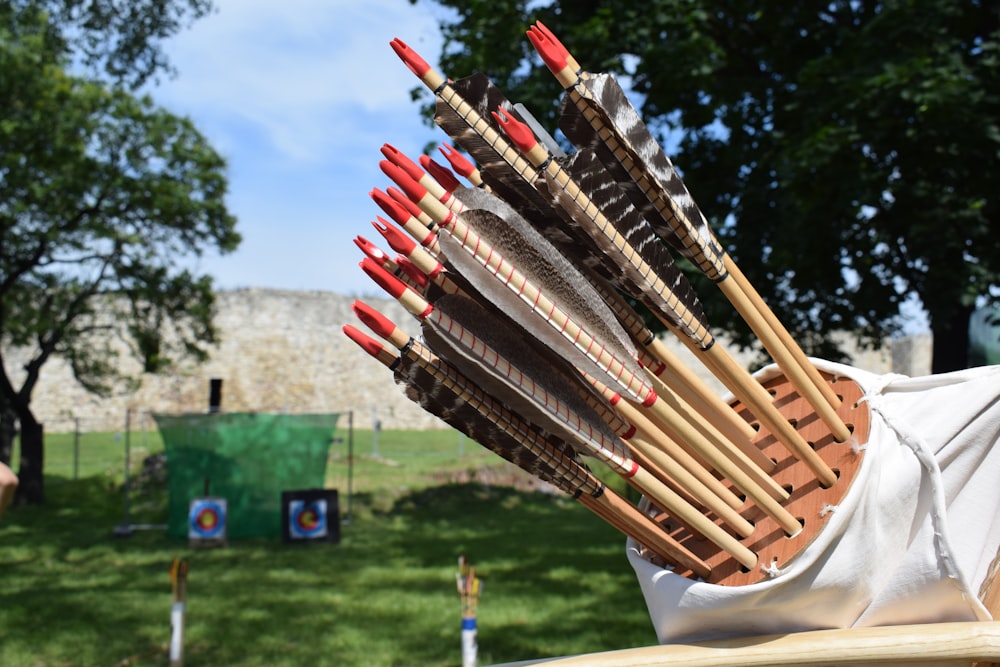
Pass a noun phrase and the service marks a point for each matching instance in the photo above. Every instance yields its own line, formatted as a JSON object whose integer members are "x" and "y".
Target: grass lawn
{"x": 556, "y": 580}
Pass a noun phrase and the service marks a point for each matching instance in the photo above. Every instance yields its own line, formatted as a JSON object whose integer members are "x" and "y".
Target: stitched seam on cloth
{"x": 938, "y": 504}
{"x": 771, "y": 570}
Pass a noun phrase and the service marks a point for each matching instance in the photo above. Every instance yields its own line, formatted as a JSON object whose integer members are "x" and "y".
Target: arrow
{"x": 438, "y": 386}
{"x": 591, "y": 218}
{"x": 606, "y": 116}
{"x": 548, "y": 403}
{"x": 490, "y": 147}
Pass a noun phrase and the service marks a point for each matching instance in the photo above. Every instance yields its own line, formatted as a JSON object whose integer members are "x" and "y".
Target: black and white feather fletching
{"x": 467, "y": 129}
{"x": 610, "y": 107}
{"x": 477, "y": 96}
{"x": 500, "y": 359}
{"x": 647, "y": 271}
{"x": 488, "y": 422}
{"x": 511, "y": 237}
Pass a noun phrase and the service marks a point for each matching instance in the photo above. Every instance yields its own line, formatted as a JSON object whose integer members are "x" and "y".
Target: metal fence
{"x": 74, "y": 448}
{"x": 131, "y": 458}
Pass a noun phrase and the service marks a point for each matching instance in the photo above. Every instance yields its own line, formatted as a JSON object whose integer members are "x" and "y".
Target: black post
{"x": 350, "y": 461}
{"x": 128, "y": 462}
{"x": 214, "y": 395}
{"x": 76, "y": 448}
{"x": 124, "y": 529}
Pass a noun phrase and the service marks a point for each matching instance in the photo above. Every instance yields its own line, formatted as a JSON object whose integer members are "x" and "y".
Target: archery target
{"x": 307, "y": 519}
{"x": 310, "y": 515}
{"x": 207, "y": 519}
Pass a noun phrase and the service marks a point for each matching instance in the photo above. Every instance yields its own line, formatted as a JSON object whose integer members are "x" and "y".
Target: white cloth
{"x": 911, "y": 542}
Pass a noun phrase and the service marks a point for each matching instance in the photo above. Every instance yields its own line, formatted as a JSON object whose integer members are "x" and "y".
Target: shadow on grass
{"x": 556, "y": 577}
{"x": 556, "y": 582}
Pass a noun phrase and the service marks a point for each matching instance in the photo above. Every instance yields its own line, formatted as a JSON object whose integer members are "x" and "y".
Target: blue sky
{"x": 299, "y": 97}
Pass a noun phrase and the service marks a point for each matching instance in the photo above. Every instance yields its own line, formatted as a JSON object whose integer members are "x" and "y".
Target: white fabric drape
{"x": 911, "y": 542}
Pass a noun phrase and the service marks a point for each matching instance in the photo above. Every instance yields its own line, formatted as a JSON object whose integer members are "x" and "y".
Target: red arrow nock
{"x": 519, "y": 132}
{"x": 383, "y": 278}
{"x": 416, "y": 64}
{"x": 400, "y": 159}
{"x": 370, "y": 249}
{"x": 440, "y": 173}
{"x": 373, "y": 319}
{"x": 398, "y": 241}
{"x": 367, "y": 343}
{"x": 407, "y": 183}
{"x": 402, "y": 200}
{"x": 457, "y": 161}
{"x": 390, "y": 205}
{"x": 555, "y": 55}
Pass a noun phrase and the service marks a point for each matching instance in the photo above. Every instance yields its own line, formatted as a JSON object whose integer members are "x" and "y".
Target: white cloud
{"x": 299, "y": 95}
{"x": 299, "y": 72}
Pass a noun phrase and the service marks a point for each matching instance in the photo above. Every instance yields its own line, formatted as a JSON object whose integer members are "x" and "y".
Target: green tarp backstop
{"x": 246, "y": 458}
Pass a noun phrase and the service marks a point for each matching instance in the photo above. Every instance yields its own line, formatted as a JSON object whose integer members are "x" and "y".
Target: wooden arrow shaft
{"x": 689, "y": 486}
{"x": 654, "y": 435}
{"x": 759, "y": 402}
{"x": 629, "y": 520}
{"x": 628, "y": 255}
{"x": 572, "y": 477}
{"x": 780, "y": 340}
{"x": 675, "y": 374}
{"x": 661, "y": 494}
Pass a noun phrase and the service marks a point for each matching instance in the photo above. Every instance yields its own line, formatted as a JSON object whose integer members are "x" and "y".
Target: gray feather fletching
{"x": 553, "y": 274}
{"x": 541, "y": 391}
{"x": 542, "y": 455}
{"x": 617, "y": 113}
{"x": 676, "y": 300}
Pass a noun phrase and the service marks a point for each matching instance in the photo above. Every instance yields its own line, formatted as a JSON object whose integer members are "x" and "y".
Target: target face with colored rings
{"x": 307, "y": 518}
{"x": 207, "y": 518}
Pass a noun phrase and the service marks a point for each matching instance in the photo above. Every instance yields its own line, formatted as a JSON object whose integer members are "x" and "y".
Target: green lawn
{"x": 556, "y": 580}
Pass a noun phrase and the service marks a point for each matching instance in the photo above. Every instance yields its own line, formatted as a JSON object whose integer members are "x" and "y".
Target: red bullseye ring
{"x": 308, "y": 519}
{"x": 207, "y": 518}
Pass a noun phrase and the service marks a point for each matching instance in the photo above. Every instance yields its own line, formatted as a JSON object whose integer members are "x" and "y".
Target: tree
{"x": 103, "y": 199}
{"x": 845, "y": 152}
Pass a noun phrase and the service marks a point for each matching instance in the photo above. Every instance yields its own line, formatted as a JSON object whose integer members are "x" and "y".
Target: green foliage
{"x": 102, "y": 194}
{"x": 104, "y": 198}
{"x": 556, "y": 578}
{"x": 845, "y": 152}
{"x": 116, "y": 40}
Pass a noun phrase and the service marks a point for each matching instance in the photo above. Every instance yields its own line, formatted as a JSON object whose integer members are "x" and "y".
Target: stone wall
{"x": 283, "y": 351}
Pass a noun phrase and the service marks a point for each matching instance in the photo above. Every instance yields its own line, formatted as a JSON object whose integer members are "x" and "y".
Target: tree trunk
{"x": 8, "y": 430}
{"x": 951, "y": 340}
{"x": 31, "y": 489}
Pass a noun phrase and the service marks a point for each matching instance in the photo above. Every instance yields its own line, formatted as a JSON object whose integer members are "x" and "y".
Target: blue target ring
{"x": 310, "y": 516}
{"x": 207, "y": 518}
{"x": 307, "y": 519}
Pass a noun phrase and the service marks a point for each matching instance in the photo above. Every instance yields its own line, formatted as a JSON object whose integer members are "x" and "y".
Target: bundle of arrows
{"x": 527, "y": 285}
